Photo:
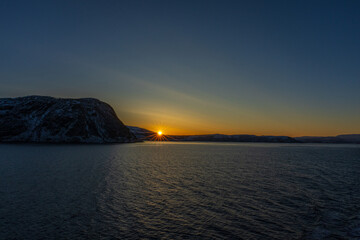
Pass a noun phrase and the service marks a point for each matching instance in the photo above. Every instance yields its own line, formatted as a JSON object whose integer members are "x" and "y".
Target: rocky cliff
{"x": 58, "y": 120}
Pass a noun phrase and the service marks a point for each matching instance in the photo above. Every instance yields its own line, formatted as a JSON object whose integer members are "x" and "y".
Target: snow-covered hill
{"x": 141, "y": 133}
{"x": 48, "y": 119}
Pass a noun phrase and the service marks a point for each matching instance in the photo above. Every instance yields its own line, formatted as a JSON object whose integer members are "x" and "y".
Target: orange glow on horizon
{"x": 258, "y": 126}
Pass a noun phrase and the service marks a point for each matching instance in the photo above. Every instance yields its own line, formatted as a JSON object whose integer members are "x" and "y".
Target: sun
{"x": 159, "y": 136}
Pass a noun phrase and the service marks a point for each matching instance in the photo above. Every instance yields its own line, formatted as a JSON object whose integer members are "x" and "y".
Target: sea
{"x": 180, "y": 190}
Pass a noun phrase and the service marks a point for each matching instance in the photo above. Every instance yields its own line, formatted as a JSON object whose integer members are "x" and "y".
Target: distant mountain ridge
{"x": 234, "y": 138}
{"x": 60, "y": 120}
{"x": 344, "y": 138}
{"x": 147, "y": 135}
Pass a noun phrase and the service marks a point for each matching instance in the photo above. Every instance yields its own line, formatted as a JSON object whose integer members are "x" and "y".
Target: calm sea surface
{"x": 180, "y": 191}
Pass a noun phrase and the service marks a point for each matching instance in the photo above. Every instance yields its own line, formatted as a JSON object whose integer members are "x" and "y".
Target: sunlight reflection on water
{"x": 180, "y": 190}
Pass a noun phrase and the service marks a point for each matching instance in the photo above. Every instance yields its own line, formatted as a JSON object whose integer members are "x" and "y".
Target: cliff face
{"x": 57, "y": 120}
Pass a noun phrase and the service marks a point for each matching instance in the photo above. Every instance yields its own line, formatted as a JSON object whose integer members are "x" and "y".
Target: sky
{"x": 192, "y": 67}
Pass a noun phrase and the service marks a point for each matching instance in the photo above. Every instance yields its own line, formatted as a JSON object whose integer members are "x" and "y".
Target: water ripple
{"x": 180, "y": 191}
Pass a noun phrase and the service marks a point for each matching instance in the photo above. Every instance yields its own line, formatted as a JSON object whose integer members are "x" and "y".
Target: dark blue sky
{"x": 262, "y": 67}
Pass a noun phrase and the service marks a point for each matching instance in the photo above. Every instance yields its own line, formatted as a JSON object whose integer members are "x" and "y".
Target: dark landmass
{"x": 42, "y": 119}
{"x": 232, "y": 138}
{"x": 349, "y": 138}
{"x": 148, "y": 135}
